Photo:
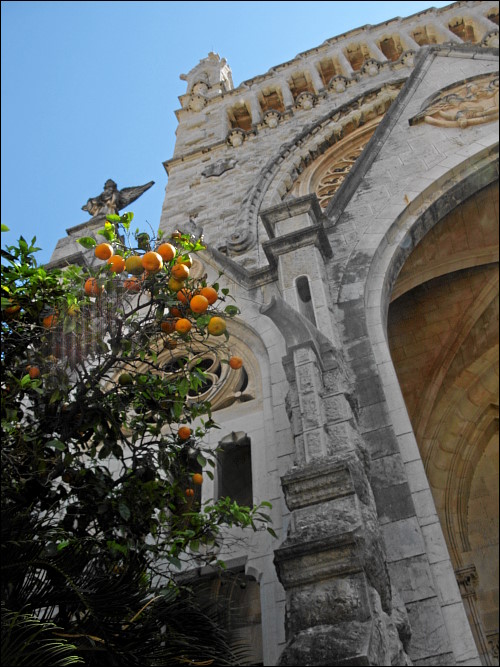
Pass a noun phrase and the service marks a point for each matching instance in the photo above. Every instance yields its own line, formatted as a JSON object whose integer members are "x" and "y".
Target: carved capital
{"x": 467, "y": 580}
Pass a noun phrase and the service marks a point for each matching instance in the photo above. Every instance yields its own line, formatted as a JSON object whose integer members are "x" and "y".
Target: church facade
{"x": 350, "y": 199}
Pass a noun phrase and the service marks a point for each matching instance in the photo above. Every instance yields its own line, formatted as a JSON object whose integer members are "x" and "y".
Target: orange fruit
{"x": 175, "y": 312}
{"x": 133, "y": 265}
{"x": 180, "y": 271}
{"x": 174, "y": 284}
{"x": 50, "y": 321}
{"x": 189, "y": 493}
{"x": 185, "y": 259}
{"x": 104, "y": 251}
{"x": 198, "y": 304}
{"x": 12, "y": 310}
{"x": 152, "y": 261}
{"x": 116, "y": 264}
{"x": 216, "y": 326}
{"x": 197, "y": 478}
{"x": 132, "y": 284}
{"x": 184, "y": 433}
{"x": 33, "y": 371}
{"x": 183, "y": 296}
{"x": 125, "y": 379}
{"x": 92, "y": 287}
{"x": 183, "y": 325}
{"x": 167, "y": 326}
{"x": 210, "y": 294}
{"x": 235, "y": 362}
{"x": 166, "y": 251}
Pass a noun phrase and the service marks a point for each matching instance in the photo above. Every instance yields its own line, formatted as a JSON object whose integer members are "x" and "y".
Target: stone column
{"x": 332, "y": 563}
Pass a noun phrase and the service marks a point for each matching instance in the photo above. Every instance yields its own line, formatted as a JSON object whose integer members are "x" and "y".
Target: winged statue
{"x": 112, "y": 200}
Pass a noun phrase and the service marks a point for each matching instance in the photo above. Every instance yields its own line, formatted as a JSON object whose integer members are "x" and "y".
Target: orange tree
{"x": 101, "y": 447}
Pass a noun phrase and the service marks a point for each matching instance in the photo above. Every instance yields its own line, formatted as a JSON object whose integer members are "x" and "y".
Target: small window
{"x": 424, "y": 36}
{"x": 271, "y": 100}
{"x": 239, "y": 117}
{"x": 327, "y": 70}
{"x": 493, "y": 17}
{"x": 356, "y": 54}
{"x": 463, "y": 30}
{"x": 305, "y": 300}
{"x": 391, "y": 47}
{"x": 234, "y": 469}
{"x": 300, "y": 83}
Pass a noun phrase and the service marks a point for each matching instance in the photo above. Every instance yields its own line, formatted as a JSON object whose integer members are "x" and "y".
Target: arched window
{"x": 306, "y": 306}
{"x": 234, "y": 469}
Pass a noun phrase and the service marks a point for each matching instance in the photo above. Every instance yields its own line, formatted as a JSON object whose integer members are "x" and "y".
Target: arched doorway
{"x": 442, "y": 332}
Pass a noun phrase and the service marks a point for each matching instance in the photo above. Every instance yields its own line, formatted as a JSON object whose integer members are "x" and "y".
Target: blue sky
{"x": 89, "y": 91}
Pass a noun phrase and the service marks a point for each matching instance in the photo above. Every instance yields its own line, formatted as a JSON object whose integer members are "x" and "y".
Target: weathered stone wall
{"x": 405, "y": 112}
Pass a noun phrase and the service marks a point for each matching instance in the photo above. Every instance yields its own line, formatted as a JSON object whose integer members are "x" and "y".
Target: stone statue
{"x": 112, "y": 200}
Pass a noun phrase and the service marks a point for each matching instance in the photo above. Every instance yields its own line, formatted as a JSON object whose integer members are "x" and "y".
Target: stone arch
{"x": 282, "y": 170}
{"x": 451, "y": 424}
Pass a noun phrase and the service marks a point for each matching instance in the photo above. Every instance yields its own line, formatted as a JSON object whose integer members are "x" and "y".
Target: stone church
{"x": 350, "y": 198}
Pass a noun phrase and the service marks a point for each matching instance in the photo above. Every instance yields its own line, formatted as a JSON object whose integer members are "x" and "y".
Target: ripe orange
{"x": 166, "y": 251}
{"x": 104, "y": 251}
{"x": 210, "y": 294}
{"x": 183, "y": 296}
{"x": 133, "y": 265}
{"x": 183, "y": 325}
{"x": 12, "y": 310}
{"x": 189, "y": 493}
{"x": 116, "y": 264}
{"x": 175, "y": 312}
{"x": 185, "y": 259}
{"x": 184, "y": 433}
{"x": 50, "y": 320}
{"x": 180, "y": 271}
{"x": 174, "y": 284}
{"x": 197, "y": 478}
{"x": 216, "y": 326}
{"x": 92, "y": 287}
{"x": 235, "y": 362}
{"x": 33, "y": 371}
{"x": 132, "y": 284}
{"x": 198, "y": 304}
{"x": 152, "y": 261}
{"x": 167, "y": 326}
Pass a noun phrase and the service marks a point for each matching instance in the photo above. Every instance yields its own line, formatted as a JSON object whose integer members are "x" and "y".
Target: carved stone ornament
{"x": 197, "y": 103}
{"x": 305, "y": 100}
{"x": 236, "y": 137}
{"x": 338, "y": 83}
{"x": 471, "y": 102}
{"x": 218, "y": 168}
{"x": 272, "y": 118}
{"x": 371, "y": 67}
{"x": 491, "y": 39}
{"x": 112, "y": 200}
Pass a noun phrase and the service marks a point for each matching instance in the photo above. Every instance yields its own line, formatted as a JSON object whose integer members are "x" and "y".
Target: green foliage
{"x": 94, "y": 475}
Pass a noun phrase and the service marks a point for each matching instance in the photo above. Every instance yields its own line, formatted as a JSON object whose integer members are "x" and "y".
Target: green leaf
{"x": 87, "y": 242}
{"x": 175, "y": 561}
{"x": 62, "y": 545}
{"x": 231, "y": 310}
{"x": 271, "y": 532}
{"x": 201, "y": 460}
{"x": 112, "y": 217}
{"x": 56, "y": 444}
{"x": 124, "y": 511}
{"x": 5, "y": 228}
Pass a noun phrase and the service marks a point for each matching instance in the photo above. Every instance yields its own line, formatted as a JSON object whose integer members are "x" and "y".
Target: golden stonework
{"x": 472, "y": 102}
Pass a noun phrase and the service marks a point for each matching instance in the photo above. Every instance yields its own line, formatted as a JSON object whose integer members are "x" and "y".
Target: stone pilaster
{"x": 332, "y": 563}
